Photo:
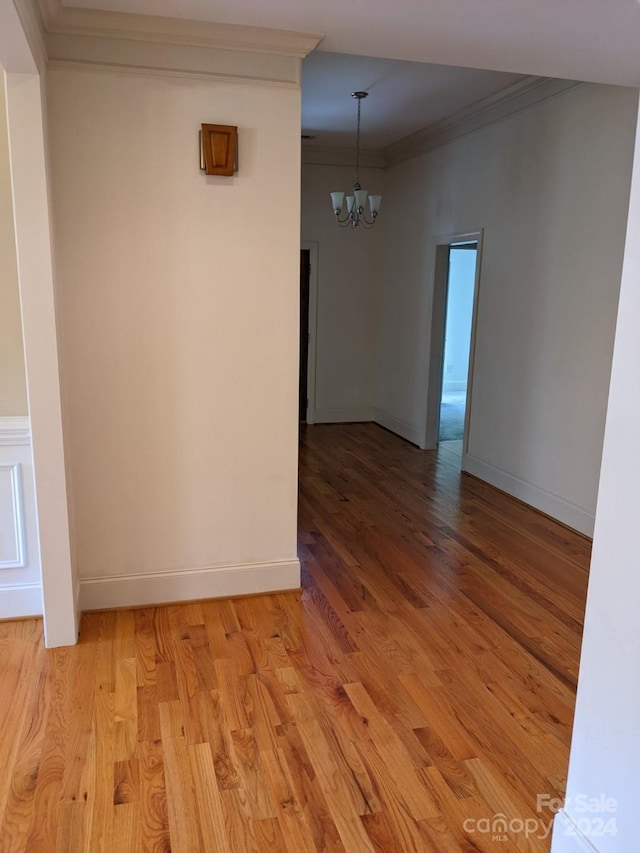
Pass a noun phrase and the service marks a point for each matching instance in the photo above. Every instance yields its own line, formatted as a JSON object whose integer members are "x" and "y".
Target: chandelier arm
{"x": 369, "y": 222}
{"x": 346, "y": 218}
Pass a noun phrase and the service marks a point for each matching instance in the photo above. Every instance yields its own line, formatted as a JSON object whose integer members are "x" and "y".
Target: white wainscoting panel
{"x": 20, "y": 583}
{"x": 12, "y": 545}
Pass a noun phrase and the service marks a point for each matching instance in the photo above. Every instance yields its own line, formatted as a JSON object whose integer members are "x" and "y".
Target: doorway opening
{"x": 457, "y": 340}
{"x": 453, "y": 321}
{"x": 308, "y": 329}
{"x": 303, "y": 383}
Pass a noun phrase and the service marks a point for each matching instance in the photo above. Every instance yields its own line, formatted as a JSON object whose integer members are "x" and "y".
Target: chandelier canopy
{"x": 355, "y": 213}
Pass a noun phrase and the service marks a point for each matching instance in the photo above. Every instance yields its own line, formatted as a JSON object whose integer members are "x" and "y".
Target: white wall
{"x": 462, "y": 276}
{"x": 348, "y": 265}
{"x": 549, "y": 186}
{"x": 13, "y": 392}
{"x": 605, "y": 750}
{"x": 178, "y": 303}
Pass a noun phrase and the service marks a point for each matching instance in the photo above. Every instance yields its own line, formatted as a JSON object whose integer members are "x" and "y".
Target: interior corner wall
{"x": 550, "y": 186}
{"x": 178, "y": 313}
{"x": 13, "y": 392}
{"x": 348, "y": 266}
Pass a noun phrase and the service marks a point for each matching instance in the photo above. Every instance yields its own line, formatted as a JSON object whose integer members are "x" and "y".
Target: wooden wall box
{"x": 219, "y": 148}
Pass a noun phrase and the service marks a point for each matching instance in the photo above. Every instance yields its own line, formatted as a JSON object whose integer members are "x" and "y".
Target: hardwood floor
{"x": 421, "y": 684}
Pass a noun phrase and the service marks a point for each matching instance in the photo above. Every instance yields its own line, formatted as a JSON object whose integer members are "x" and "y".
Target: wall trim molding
{"x": 72, "y": 21}
{"x": 567, "y": 837}
{"x": 14, "y": 431}
{"x": 547, "y": 502}
{"x": 405, "y": 430}
{"x": 171, "y": 46}
{"x": 191, "y": 584}
{"x": 19, "y": 601}
{"x": 512, "y": 99}
{"x": 343, "y": 416}
{"x": 519, "y": 96}
{"x": 170, "y": 60}
{"x": 164, "y": 72}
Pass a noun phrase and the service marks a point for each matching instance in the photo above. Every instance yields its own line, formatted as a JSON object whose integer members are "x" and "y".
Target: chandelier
{"x": 355, "y": 214}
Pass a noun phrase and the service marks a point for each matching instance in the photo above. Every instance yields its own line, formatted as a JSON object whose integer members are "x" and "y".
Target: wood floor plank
{"x": 421, "y": 683}
{"x": 294, "y": 830}
{"x": 18, "y": 802}
{"x": 154, "y": 817}
{"x": 208, "y": 799}
{"x": 238, "y": 821}
{"x": 99, "y": 776}
{"x": 126, "y": 828}
{"x": 184, "y": 823}
{"x": 19, "y": 659}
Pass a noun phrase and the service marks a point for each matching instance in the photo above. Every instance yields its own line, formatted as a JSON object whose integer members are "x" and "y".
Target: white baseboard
{"x": 342, "y": 416}
{"x": 567, "y": 837}
{"x": 551, "y": 504}
{"x": 20, "y": 600}
{"x": 402, "y": 428}
{"x": 164, "y": 587}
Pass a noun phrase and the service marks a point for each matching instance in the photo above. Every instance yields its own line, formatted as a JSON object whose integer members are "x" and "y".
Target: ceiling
{"x": 596, "y": 40}
{"x": 403, "y": 96}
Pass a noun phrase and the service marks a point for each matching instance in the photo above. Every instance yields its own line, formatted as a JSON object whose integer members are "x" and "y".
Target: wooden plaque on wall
{"x": 219, "y": 148}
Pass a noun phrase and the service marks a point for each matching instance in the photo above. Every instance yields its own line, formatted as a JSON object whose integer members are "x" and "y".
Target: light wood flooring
{"x": 420, "y": 684}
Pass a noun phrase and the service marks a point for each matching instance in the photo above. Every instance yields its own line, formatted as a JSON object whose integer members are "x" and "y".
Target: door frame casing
{"x": 313, "y": 248}
{"x": 442, "y": 244}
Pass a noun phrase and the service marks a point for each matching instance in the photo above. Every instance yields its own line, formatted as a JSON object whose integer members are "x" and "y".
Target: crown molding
{"x": 140, "y": 71}
{"x": 172, "y": 60}
{"x": 319, "y": 155}
{"x": 71, "y": 21}
{"x": 519, "y": 96}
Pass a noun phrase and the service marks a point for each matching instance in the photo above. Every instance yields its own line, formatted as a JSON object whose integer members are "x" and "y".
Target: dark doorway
{"x": 305, "y": 269}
